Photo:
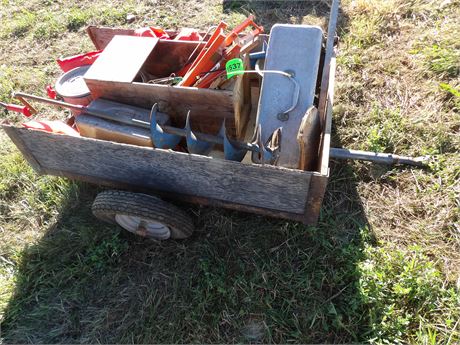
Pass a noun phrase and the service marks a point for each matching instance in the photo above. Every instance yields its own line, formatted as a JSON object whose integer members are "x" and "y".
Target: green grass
{"x": 381, "y": 266}
{"x": 77, "y": 18}
{"x": 403, "y": 289}
{"x": 50, "y": 27}
{"x": 22, "y": 22}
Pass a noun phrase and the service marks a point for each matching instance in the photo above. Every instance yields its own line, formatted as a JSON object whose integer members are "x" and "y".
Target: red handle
{"x": 18, "y": 108}
{"x": 51, "y": 92}
{"x": 249, "y": 21}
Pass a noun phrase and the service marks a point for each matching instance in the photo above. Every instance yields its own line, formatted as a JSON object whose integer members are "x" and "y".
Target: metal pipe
{"x": 19, "y": 95}
{"x": 87, "y": 110}
{"x": 377, "y": 157}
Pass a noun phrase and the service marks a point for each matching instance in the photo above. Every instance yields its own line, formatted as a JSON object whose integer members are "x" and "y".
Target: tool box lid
{"x": 122, "y": 59}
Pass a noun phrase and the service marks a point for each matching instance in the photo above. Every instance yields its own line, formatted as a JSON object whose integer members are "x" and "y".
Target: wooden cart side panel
{"x": 258, "y": 186}
{"x": 107, "y": 182}
{"x": 315, "y": 198}
{"x": 318, "y": 182}
{"x": 17, "y": 140}
{"x": 101, "y": 36}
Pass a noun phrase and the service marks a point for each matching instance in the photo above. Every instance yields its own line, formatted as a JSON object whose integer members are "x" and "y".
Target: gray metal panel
{"x": 295, "y": 48}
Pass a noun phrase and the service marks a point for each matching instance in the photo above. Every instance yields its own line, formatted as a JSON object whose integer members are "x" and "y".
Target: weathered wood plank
{"x": 170, "y": 56}
{"x": 315, "y": 197}
{"x": 308, "y": 138}
{"x": 328, "y": 55}
{"x": 208, "y": 107}
{"x": 16, "y": 139}
{"x": 266, "y": 187}
{"x": 107, "y": 182}
{"x": 326, "y": 140}
{"x": 242, "y": 102}
{"x": 101, "y": 36}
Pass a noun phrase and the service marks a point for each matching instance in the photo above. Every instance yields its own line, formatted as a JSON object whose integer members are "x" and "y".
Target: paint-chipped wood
{"x": 253, "y": 185}
{"x": 101, "y": 36}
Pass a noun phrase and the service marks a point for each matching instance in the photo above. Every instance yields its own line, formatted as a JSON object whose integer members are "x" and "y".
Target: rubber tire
{"x": 111, "y": 202}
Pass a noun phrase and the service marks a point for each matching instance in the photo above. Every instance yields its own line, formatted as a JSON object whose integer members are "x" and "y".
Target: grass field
{"x": 382, "y": 266}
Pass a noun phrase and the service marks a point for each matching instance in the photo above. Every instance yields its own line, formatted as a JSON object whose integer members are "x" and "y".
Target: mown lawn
{"x": 382, "y": 266}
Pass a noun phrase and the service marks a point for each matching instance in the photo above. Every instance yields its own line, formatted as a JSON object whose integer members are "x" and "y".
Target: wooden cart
{"x": 261, "y": 189}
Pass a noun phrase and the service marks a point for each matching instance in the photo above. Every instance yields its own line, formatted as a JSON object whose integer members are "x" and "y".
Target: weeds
{"x": 48, "y": 28}
{"x": 453, "y": 95}
{"x": 403, "y": 289}
{"x": 20, "y": 24}
{"x": 442, "y": 60}
{"x": 77, "y": 18}
{"x": 384, "y": 133}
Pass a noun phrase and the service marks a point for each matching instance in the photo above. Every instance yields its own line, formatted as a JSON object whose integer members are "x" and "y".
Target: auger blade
{"x": 267, "y": 153}
{"x": 194, "y": 145}
{"x": 160, "y": 139}
{"x": 231, "y": 152}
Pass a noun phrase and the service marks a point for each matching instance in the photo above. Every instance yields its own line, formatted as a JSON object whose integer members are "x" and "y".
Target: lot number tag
{"x": 234, "y": 67}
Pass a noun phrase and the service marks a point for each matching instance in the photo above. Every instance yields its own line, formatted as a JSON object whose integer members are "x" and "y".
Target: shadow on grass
{"x": 269, "y": 12}
{"x": 239, "y": 278}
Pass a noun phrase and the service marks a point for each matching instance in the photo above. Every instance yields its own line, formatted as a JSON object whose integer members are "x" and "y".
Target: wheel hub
{"x": 143, "y": 227}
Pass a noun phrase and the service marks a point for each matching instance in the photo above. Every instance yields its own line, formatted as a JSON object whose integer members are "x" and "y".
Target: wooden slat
{"x": 107, "y": 182}
{"x": 308, "y": 138}
{"x": 242, "y": 103}
{"x": 315, "y": 197}
{"x": 169, "y": 57}
{"x": 208, "y": 107}
{"x": 266, "y": 187}
{"x": 102, "y": 36}
{"x": 326, "y": 140}
{"x": 16, "y": 139}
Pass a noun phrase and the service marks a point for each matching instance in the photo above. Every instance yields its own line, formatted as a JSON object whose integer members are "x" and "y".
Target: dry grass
{"x": 382, "y": 266}
{"x": 401, "y": 108}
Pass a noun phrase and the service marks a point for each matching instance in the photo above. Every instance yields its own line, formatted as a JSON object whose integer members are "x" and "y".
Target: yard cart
{"x": 142, "y": 178}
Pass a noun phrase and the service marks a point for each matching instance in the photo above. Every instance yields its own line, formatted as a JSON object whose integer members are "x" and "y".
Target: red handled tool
{"x": 51, "y": 92}
{"x": 249, "y": 21}
{"x": 17, "y": 108}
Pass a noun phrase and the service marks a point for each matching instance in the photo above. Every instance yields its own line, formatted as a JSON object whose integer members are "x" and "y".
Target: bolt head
{"x": 283, "y": 116}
